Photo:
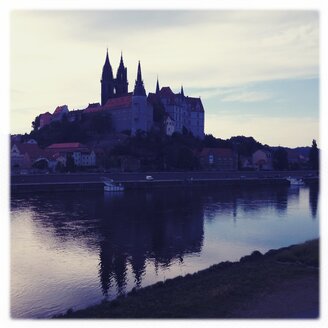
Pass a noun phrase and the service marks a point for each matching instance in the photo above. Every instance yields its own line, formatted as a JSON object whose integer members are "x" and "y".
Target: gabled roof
{"x": 32, "y": 150}
{"x": 47, "y": 114}
{"x": 220, "y": 152}
{"x": 166, "y": 92}
{"x": 61, "y": 109}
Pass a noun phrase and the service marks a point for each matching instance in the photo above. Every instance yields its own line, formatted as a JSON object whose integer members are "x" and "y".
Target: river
{"x": 72, "y": 250}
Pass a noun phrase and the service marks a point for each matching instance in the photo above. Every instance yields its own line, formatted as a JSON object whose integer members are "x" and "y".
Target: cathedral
{"x": 133, "y": 111}
{"x": 182, "y": 112}
{"x": 129, "y": 110}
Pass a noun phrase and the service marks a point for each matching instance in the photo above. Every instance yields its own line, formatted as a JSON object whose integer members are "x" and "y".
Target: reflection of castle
{"x": 158, "y": 226}
{"x": 146, "y": 230}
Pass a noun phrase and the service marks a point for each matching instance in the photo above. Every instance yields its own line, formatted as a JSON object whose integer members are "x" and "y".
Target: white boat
{"x": 295, "y": 181}
{"x": 110, "y": 185}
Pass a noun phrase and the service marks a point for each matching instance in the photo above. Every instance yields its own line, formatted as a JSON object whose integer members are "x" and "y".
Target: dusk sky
{"x": 257, "y": 72}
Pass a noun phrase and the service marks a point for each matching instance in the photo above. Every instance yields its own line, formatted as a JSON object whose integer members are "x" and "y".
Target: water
{"x": 72, "y": 250}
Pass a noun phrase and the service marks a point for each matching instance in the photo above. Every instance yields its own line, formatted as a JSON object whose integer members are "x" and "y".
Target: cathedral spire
{"x": 182, "y": 93}
{"x": 139, "y": 89}
{"x": 107, "y": 81}
{"x": 121, "y": 83}
{"x": 157, "y": 86}
{"x": 107, "y": 72}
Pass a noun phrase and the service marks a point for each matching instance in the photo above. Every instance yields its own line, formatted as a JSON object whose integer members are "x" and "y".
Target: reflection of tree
{"x": 313, "y": 199}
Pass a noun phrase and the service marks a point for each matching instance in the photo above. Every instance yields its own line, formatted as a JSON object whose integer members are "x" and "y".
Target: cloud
{"x": 57, "y": 56}
{"x": 237, "y": 94}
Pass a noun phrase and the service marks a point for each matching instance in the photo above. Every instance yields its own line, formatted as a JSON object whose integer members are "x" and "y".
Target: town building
{"x": 23, "y": 155}
{"x": 262, "y": 160}
{"x": 223, "y": 159}
{"x": 81, "y": 154}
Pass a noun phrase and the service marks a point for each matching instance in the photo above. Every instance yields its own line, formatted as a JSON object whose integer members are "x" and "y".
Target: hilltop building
{"x": 184, "y": 112}
{"x": 133, "y": 111}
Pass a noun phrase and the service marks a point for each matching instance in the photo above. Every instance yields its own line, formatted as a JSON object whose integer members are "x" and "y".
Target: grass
{"x": 215, "y": 292}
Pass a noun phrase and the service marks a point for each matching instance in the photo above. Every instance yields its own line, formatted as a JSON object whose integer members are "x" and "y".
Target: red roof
{"x": 220, "y": 152}
{"x": 32, "y": 150}
{"x": 66, "y": 145}
{"x": 121, "y": 102}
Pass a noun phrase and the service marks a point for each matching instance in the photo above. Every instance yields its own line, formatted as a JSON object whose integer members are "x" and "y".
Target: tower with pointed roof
{"x": 142, "y": 112}
{"x": 107, "y": 82}
{"x": 157, "y": 86}
{"x": 181, "y": 92}
{"x": 139, "y": 89}
{"x": 121, "y": 82}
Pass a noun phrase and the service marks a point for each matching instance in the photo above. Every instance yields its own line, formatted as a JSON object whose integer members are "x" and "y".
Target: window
{"x": 210, "y": 159}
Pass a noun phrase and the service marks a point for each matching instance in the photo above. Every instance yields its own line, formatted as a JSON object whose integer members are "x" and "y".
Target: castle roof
{"x": 45, "y": 114}
{"x": 60, "y": 109}
{"x": 195, "y": 104}
{"x": 120, "y": 102}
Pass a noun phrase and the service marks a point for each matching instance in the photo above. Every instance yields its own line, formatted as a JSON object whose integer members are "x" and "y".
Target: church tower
{"x": 142, "y": 113}
{"x": 121, "y": 82}
{"x": 139, "y": 89}
{"x": 157, "y": 86}
{"x": 107, "y": 82}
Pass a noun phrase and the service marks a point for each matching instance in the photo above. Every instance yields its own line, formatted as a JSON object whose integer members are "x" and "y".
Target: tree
{"x": 41, "y": 164}
{"x": 314, "y": 156}
{"x": 280, "y": 159}
{"x": 36, "y": 123}
{"x": 70, "y": 164}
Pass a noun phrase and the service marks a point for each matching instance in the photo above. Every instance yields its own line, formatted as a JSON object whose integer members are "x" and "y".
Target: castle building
{"x": 130, "y": 111}
{"x": 133, "y": 111}
{"x": 184, "y": 112}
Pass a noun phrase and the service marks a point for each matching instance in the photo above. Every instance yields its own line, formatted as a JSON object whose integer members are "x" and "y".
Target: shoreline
{"x": 257, "y": 286}
{"x": 134, "y": 181}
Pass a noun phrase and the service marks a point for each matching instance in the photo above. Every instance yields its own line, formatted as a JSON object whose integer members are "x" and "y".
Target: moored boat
{"x": 110, "y": 185}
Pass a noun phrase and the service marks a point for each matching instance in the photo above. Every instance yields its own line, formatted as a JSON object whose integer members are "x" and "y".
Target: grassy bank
{"x": 227, "y": 290}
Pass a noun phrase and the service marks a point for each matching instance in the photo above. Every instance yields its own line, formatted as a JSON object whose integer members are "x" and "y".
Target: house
{"x": 218, "y": 159}
{"x": 24, "y": 155}
{"x": 81, "y": 154}
{"x": 59, "y": 113}
{"x": 246, "y": 163}
{"x": 262, "y": 159}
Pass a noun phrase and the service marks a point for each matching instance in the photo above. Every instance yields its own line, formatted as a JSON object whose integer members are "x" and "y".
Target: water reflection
{"x": 131, "y": 230}
{"x": 313, "y": 199}
{"x": 157, "y": 226}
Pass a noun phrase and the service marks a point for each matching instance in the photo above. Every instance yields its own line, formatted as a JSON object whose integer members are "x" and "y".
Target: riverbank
{"x": 282, "y": 283}
{"x": 134, "y": 181}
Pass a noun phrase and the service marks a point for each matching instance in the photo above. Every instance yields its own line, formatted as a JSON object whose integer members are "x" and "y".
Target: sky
{"x": 257, "y": 72}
